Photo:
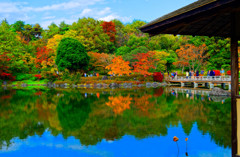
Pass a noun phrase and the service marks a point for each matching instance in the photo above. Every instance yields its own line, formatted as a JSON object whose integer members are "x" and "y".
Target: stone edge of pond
{"x": 95, "y": 85}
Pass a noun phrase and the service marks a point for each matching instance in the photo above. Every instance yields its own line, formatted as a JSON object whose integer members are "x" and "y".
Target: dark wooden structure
{"x": 208, "y": 18}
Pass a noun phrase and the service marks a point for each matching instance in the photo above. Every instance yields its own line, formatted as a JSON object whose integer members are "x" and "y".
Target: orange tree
{"x": 119, "y": 103}
{"x": 145, "y": 62}
{"x": 192, "y": 56}
{"x": 44, "y": 57}
{"x": 99, "y": 61}
{"x": 119, "y": 67}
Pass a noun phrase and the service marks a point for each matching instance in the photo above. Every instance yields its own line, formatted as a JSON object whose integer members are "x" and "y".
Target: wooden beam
{"x": 234, "y": 82}
{"x": 221, "y": 29}
{"x": 234, "y": 92}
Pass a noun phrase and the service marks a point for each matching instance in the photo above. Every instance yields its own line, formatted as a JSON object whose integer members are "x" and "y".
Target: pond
{"x": 113, "y": 122}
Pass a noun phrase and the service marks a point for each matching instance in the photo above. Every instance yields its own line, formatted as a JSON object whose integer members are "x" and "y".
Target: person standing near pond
{"x": 212, "y": 73}
{"x": 208, "y": 73}
{"x": 222, "y": 73}
{"x": 190, "y": 74}
{"x": 187, "y": 74}
{"x": 197, "y": 73}
{"x": 172, "y": 74}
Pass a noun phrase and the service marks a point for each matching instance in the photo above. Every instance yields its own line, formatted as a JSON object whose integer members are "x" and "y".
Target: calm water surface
{"x": 133, "y": 122}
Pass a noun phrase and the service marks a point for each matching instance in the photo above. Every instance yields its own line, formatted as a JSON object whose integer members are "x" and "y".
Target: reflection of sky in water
{"x": 47, "y": 145}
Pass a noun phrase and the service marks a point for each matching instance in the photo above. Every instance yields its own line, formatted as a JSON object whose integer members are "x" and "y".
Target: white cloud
{"x": 68, "y": 11}
{"x": 113, "y": 16}
{"x": 48, "y": 17}
{"x": 85, "y": 12}
{"x": 6, "y": 7}
{"x": 105, "y": 11}
{"x": 9, "y": 7}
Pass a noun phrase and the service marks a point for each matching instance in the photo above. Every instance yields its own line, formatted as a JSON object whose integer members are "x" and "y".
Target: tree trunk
{"x": 182, "y": 69}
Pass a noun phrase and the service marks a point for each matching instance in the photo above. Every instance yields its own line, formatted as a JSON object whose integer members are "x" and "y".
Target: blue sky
{"x": 45, "y": 12}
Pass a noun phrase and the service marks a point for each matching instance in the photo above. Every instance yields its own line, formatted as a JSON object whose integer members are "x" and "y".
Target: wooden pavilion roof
{"x": 203, "y": 18}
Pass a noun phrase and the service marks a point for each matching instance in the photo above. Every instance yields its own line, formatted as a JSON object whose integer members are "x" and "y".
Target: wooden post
{"x": 234, "y": 82}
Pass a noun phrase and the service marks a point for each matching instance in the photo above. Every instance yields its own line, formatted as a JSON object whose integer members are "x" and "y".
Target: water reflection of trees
{"x": 110, "y": 116}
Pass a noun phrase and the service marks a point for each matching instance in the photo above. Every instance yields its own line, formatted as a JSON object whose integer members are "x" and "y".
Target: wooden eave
{"x": 203, "y": 18}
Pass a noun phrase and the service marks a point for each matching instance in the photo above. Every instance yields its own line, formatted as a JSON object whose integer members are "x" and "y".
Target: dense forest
{"x": 89, "y": 45}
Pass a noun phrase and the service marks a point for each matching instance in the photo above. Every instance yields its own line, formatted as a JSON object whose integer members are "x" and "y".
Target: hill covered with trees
{"x": 28, "y": 50}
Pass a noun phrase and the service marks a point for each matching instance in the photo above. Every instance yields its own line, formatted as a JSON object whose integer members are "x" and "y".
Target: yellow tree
{"x": 161, "y": 61}
{"x": 119, "y": 67}
{"x": 54, "y": 41}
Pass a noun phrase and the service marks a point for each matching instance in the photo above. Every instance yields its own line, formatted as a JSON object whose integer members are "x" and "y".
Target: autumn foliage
{"x": 229, "y": 72}
{"x": 38, "y": 76}
{"x": 119, "y": 104}
{"x": 119, "y": 67}
{"x": 109, "y": 29}
{"x": 145, "y": 61}
{"x": 217, "y": 72}
{"x": 43, "y": 57}
{"x": 5, "y": 73}
{"x": 143, "y": 105}
{"x": 157, "y": 76}
{"x": 99, "y": 61}
{"x": 191, "y": 55}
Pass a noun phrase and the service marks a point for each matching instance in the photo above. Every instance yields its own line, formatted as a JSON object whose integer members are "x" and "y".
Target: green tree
{"x": 52, "y": 30}
{"x": 135, "y": 41}
{"x": 63, "y": 27}
{"x": 71, "y": 55}
{"x": 123, "y": 50}
{"x": 170, "y": 60}
{"x": 90, "y": 33}
{"x": 12, "y": 46}
{"x": 121, "y": 35}
{"x": 130, "y": 56}
{"x": 18, "y": 26}
{"x": 218, "y": 51}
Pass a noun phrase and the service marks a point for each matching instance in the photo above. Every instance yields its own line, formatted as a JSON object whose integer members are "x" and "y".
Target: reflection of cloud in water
{"x": 13, "y": 147}
{"x": 108, "y": 141}
{"x": 47, "y": 140}
{"x": 216, "y": 152}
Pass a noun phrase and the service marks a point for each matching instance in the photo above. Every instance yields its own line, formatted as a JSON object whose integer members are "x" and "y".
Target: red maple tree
{"x": 43, "y": 54}
{"x": 110, "y": 29}
{"x": 145, "y": 61}
{"x": 5, "y": 73}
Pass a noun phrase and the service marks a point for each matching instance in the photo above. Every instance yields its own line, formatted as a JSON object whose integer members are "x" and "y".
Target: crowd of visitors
{"x": 192, "y": 74}
{"x": 91, "y": 75}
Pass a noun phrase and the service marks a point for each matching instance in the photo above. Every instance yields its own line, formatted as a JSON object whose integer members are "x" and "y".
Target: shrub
{"x": 21, "y": 77}
{"x": 157, "y": 76}
{"x": 75, "y": 78}
{"x": 217, "y": 72}
{"x": 50, "y": 75}
{"x": 7, "y": 76}
{"x": 38, "y": 76}
{"x": 65, "y": 75}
